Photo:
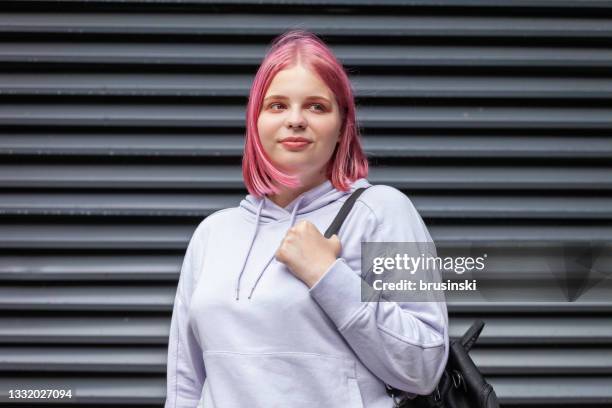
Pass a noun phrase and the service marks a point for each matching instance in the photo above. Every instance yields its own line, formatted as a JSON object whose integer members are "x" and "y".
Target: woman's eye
{"x": 319, "y": 106}
{"x": 277, "y": 105}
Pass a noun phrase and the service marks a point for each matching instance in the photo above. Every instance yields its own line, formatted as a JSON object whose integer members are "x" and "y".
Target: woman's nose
{"x": 296, "y": 119}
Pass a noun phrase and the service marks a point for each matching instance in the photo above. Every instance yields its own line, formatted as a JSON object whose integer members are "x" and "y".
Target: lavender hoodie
{"x": 246, "y": 332}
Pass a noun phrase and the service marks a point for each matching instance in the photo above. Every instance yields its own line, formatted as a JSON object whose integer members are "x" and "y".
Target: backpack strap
{"x": 344, "y": 211}
{"x": 471, "y": 335}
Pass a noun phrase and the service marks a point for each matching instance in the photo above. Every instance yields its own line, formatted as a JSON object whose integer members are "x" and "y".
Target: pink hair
{"x": 348, "y": 162}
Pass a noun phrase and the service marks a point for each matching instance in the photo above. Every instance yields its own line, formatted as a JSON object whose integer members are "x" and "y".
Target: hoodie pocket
{"x": 281, "y": 379}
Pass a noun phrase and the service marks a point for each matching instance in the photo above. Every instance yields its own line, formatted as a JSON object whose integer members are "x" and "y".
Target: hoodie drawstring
{"x": 291, "y": 222}
{"x": 250, "y": 246}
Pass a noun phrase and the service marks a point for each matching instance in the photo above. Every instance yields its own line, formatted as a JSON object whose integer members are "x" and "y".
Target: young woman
{"x": 268, "y": 312}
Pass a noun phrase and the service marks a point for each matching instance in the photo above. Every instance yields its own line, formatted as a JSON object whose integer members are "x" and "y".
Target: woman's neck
{"x": 287, "y": 194}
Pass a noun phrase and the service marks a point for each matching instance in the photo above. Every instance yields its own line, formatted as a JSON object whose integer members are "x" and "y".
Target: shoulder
{"x": 397, "y": 218}
{"x": 385, "y": 193}
{"x": 386, "y": 202}
{"x": 214, "y": 220}
{"x": 196, "y": 248}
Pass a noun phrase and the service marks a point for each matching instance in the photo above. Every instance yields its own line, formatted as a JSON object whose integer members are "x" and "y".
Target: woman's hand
{"x": 307, "y": 253}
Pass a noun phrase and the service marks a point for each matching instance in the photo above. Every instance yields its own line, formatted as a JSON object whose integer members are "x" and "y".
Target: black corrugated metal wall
{"x": 121, "y": 127}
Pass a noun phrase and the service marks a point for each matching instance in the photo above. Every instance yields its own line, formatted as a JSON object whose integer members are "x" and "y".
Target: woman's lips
{"x": 294, "y": 146}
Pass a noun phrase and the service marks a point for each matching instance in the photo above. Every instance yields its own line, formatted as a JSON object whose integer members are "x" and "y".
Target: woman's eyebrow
{"x": 307, "y": 98}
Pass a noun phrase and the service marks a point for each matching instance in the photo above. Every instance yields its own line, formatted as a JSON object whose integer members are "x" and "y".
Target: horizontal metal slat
{"x": 551, "y": 330}
{"x": 83, "y": 236}
{"x": 140, "y": 84}
{"x": 244, "y": 24}
{"x": 140, "y": 359}
{"x": 491, "y": 177}
{"x": 491, "y": 361}
{"x": 112, "y": 204}
{"x": 232, "y": 145}
{"x": 250, "y": 55}
{"x": 463, "y": 308}
{"x": 409, "y": 4}
{"x": 146, "y": 297}
{"x": 104, "y": 390}
{"x": 523, "y": 233}
{"x": 554, "y": 390}
{"x": 86, "y": 268}
{"x": 512, "y": 391}
{"x": 499, "y": 207}
{"x": 202, "y": 205}
{"x": 125, "y": 144}
{"x": 540, "y": 361}
{"x": 487, "y": 146}
{"x": 83, "y": 268}
{"x": 376, "y": 117}
{"x": 120, "y": 236}
{"x": 85, "y": 330}
{"x": 366, "y": 86}
{"x": 82, "y": 298}
{"x": 472, "y": 177}
{"x": 482, "y": 86}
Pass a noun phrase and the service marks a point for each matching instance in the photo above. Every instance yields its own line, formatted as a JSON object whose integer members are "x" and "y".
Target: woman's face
{"x": 299, "y": 105}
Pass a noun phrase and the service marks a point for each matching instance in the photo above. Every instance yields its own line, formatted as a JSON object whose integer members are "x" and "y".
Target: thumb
{"x": 336, "y": 244}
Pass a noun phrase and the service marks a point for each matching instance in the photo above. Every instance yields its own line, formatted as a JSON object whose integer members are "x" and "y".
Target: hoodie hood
{"x": 263, "y": 210}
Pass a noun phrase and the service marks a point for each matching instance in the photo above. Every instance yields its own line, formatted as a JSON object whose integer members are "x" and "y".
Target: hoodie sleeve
{"x": 185, "y": 370}
{"x": 405, "y": 344}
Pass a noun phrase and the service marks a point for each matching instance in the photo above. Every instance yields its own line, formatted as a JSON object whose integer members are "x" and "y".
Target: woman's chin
{"x": 293, "y": 164}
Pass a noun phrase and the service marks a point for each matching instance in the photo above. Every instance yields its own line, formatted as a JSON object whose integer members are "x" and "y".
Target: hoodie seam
{"x": 378, "y": 222}
{"x": 218, "y": 212}
{"x": 245, "y": 216}
{"x": 277, "y": 353}
{"x": 362, "y": 200}
{"x": 176, "y": 355}
{"x": 433, "y": 344}
{"x": 280, "y": 220}
{"x": 353, "y": 317}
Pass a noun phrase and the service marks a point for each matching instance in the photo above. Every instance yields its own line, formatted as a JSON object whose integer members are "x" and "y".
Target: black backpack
{"x": 461, "y": 385}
